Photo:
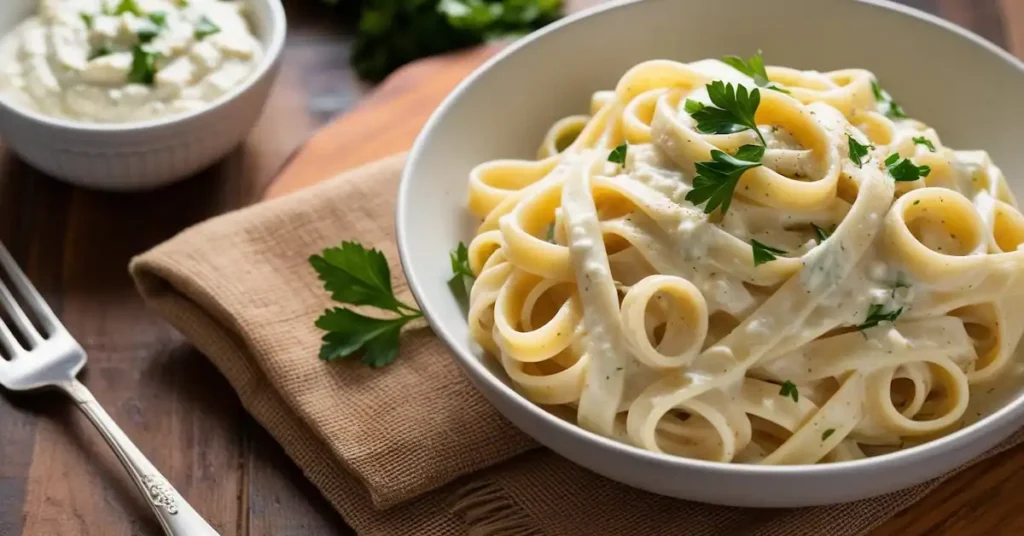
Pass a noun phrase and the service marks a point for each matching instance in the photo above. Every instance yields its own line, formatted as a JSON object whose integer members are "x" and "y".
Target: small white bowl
{"x": 147, "y": 154}
{"x": 965, "y": 87}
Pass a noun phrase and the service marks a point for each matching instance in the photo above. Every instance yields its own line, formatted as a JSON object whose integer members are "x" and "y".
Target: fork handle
{"x": 175, "y": 515}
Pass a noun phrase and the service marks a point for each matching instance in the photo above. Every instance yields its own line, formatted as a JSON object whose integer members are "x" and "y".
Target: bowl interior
{"x": 965, "y": 88}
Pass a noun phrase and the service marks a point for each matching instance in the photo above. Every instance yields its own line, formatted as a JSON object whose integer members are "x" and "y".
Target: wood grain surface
{"x": 58, "y": 478}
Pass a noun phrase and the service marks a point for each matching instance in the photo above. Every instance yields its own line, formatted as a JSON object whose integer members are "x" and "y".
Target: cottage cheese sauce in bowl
{"x": 120, "y": 61}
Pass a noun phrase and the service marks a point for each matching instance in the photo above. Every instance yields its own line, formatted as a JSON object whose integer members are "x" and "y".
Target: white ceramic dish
{"x": 965, "y": 87}
{"x": 148, "y": 154}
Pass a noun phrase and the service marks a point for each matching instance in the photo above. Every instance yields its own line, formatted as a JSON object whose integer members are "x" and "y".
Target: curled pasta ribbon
{"x": 948, "y": 410}
{"x": 600, "y": 99}
{"x": 879, "y": 129}
{"x": 492, "y": 182}
{"x": 766, "y": 186}
{"x": 984, "y": 176}
{"x": 522, "y": 228}
{"x": 556, "y": 383}
{"x": 685, "y": 320}
{"x": 994, "y": 328}
{"x": 513, "y": 311}
{"x": 847, "y": 90}
{"x": 482, "y": 298}
{"x": 496, "y": 259}
{"x": 871, "y": 129}
{"x": 714, "y": 430}
{"x": 943, "y": 170}
{"x": 482, "y": 250}
{"x": 658, "y": 74}
{"x": 948, "y": 229}
{"x": 561, "y": 135}
{"x": 919, "y": 376}
{"x": 495, "y": 191}
{"x": 1006, "y": 228}
{"x": 637, "y": 116}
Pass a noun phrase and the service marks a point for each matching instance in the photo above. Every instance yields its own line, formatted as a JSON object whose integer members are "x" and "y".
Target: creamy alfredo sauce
{"x": 885, "y": 318}
{"x": 116, "y": 61}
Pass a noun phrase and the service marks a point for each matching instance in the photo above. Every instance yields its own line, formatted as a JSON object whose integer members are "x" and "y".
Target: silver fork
{"x": 51, "y": 357}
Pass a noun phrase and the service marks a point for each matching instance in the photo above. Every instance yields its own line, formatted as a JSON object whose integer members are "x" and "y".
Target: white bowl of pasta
{"x": 728, "y": 283}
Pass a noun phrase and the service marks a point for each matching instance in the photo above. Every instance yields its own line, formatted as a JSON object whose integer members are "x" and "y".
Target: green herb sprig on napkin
{"x": 354, "y": 275}
{"x": 358, "y": 276}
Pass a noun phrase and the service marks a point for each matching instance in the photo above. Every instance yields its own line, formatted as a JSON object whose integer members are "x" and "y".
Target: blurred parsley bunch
{"x": 394, "y": 32}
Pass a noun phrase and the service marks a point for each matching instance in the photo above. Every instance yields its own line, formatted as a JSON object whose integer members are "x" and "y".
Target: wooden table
{"x": 57, "y": 477}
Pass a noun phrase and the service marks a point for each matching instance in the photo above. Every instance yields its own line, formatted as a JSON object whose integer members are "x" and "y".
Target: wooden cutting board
{"x": 384, "y": 123}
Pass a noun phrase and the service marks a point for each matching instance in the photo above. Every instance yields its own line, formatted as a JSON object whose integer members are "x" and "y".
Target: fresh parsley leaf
{"x": 460, "y": 261}
{"x": 896, "y": 111}
{"x": 716, "y": 181}
{"x": 827, "y": 434}
{"x": 550, "y": 236}
{"x": 205, "y": 28}
{"x": 733, "y": 111}
{"x": 355, "y": 275}
{"x": 858, "y": 151}
{"x": 87, "y": 18}
{"x": 763, "y": 253}
{"x": 148, "y": 32}
{"x": 789, "y": 389}
{"x": 921, "y": 140}
{"x": 754, "y": 68}
{"x": 876, "y": 315}
{"x": 100, "y": 51}
{"x": 618, "y": 154}
{"x": 822, "y": 233}
{"x": 750, "y": 153}
{"x": 348, "y": 332}
{"x": 182, "y": 3}
{"x": 903, "y": 170}
{"x": 889, "y": 107}
{"x": 143, "y": 66}
{"x": 128, "y": 6}
{"x": 462, "y": 274}
{"x": 877, "y": 90}
{"x": 159, "y": 18}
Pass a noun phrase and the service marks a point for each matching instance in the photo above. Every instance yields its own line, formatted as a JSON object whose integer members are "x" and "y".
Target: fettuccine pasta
{"x": 854, "y": 289}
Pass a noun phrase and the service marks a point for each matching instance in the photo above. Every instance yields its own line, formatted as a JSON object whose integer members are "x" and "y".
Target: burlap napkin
{"x": 410, "y": 449}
